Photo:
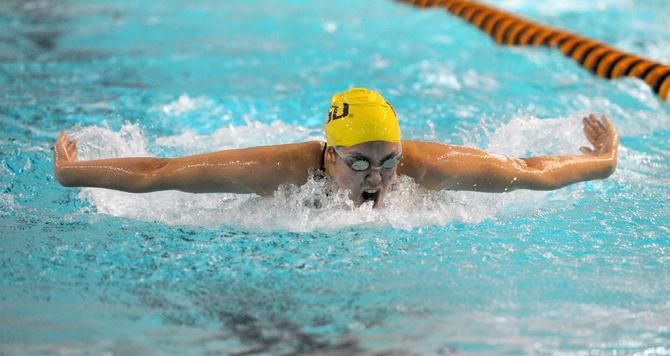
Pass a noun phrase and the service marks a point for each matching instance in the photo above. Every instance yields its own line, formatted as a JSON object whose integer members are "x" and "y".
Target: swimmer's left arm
{"x": 438, "y": 166}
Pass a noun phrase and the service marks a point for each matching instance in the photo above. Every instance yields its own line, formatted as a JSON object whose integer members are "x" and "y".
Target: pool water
{"x": 585, "y": 269}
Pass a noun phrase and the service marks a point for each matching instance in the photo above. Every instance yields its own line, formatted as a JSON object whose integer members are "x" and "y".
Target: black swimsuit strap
{"x": 323, "y": 157}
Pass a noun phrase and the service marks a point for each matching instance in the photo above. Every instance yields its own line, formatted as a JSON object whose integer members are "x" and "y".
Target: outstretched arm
{"x": 253, "y": 170}
{"x": 439, "y": 166}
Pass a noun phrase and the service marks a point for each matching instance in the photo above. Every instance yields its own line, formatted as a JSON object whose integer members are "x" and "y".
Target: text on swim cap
{"x": 332, "y": 113}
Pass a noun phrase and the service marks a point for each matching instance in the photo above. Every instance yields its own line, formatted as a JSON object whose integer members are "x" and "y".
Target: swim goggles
{"x": 363, "y": 164}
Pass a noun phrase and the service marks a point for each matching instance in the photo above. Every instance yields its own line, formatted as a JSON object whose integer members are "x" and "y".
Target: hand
{"x": 601, "y": 134}
{"x": 65, "y": 152}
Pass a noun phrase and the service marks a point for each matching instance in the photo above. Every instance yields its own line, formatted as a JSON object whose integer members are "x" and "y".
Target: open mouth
{"x": 370, "y": 195}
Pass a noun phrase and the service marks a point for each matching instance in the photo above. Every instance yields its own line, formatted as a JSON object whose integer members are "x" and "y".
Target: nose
{"x": 375, "y": 176}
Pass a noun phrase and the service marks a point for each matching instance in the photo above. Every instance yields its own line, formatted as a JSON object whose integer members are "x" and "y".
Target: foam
{"x": 95, "y": 142}
{"x": 525, "y": 135}
{"x": 306, "y": 208}
{"x": 186, "y": 104}
{"x": 7, "y": 201}
{"x": 628, "y": 122}
{"x": 443, "y": 77}
{"x": 573, "y": 321}
{"x": 254, "y": 133}
{"x": 558, "y": 8}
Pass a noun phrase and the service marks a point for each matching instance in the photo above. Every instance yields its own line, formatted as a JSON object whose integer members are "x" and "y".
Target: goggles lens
{"x": 360, "y": 165}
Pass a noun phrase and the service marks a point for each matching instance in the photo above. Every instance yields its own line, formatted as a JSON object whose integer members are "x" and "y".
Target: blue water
{"x": 583, "y": 269}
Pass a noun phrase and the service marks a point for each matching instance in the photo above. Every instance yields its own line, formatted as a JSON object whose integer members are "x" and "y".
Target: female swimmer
{"x": 363, "y": 153}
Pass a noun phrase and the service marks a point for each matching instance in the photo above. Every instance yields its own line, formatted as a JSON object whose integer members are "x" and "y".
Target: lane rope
{"x": 595, "y": 56}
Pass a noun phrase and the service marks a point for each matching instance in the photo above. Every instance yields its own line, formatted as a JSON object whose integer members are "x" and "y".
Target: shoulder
{"x": 414, "y": 159}
{"x": 420, "y": 152}
{"x": 431, "y": 151}
{"x": 303, "y": 155}
{"x": 423, "y": 160}
{"x": 425, "y": 146}
{"x": 309, "y": 148}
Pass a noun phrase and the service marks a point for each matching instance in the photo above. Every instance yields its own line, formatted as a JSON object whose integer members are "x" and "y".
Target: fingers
{"x": 609, "y": 127}
{"x": 595, "y": 124}
{"x": 599, "y": 127}
{"x": 613, "y": 141}
{"x": 590, "y": 128}
{"x": 64, "y": 139}
{"x": 596, "y": 132}
{"x": 65, "y": 149}
{"x": 600, "y": 133}
{"x": 590, "y": 135}
{"x": 590, "y": 132}
{"x": 61, "y": 138}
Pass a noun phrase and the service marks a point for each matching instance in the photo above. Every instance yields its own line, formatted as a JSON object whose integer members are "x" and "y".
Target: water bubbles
{"x": 96, "y": 142}
{"x": 330, "y": 27}
{"x": 185, "y": 104}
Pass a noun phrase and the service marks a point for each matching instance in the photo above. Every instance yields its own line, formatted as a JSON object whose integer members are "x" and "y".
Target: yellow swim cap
{"x": 360, "y": 115}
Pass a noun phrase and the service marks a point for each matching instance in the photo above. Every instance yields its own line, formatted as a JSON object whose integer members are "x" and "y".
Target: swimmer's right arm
{"x": 259, "y": 170}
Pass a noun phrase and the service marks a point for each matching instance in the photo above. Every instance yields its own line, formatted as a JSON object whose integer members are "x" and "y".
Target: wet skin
{"x": 371, "y": 184}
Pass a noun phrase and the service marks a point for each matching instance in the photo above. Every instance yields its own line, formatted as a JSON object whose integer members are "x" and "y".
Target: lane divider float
{"x": 595, "y": 56}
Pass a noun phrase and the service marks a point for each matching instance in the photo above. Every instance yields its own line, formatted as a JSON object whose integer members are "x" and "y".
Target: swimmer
{"x": 363, "y": 153}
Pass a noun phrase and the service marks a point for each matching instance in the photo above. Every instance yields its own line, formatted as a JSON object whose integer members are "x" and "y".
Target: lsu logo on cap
{"x": 333, "y": 115}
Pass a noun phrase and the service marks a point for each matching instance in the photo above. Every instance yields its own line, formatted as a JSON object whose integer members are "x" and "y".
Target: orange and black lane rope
{"x": 597, "y": 57}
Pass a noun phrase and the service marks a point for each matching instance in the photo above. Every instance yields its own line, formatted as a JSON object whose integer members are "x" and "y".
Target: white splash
{"x": 307, "y": 208}
{"x": 627, "y": 121}
{"x": 96, "y": 142}
{"x": 330, "y": 27}
{"x": 185, "y": 104}
{"x": 557, "y": 8}
{"x": 437, "y": 78}
{"x": 254, "y": 133}
{"x": 442, "y": 78}
{"x": 7, "y": 201}
{"x": 525, "y": 135}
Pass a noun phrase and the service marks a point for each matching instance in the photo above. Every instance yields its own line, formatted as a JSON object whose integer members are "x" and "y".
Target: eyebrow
{"x": 358, "y": 155}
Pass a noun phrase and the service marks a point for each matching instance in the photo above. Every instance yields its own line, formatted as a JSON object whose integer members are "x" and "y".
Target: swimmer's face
{"x": 370, "y": 184}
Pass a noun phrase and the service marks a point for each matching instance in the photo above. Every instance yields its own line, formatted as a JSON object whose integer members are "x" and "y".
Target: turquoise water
{"x": 583, "y": 269}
